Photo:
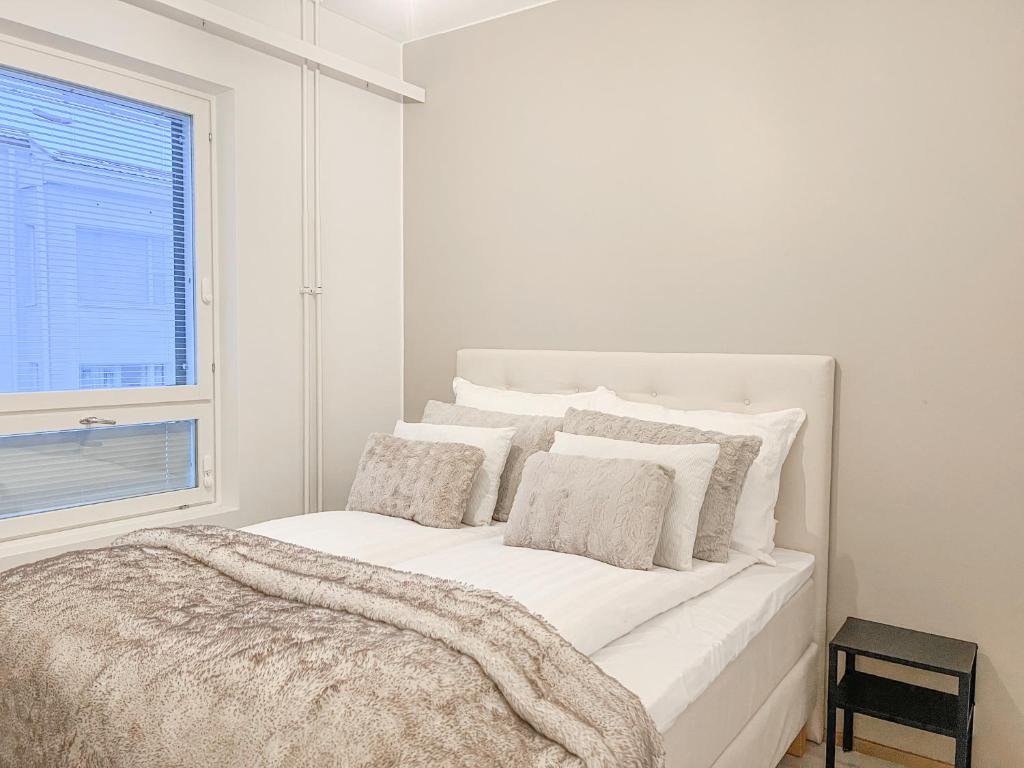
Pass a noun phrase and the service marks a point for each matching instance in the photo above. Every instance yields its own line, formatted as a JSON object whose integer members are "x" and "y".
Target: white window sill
{"x": 30, "y": 548}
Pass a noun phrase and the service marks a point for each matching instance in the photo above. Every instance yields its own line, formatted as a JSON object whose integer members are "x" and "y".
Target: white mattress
{"x": 673, "y": 658}
{"x": 590, "y": 603}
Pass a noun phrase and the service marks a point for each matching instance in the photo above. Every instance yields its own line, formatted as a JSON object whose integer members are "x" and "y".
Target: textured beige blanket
{"x": 203, "y": 646}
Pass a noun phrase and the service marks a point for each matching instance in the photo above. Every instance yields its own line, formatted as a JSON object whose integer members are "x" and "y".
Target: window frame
{"x": 85, "y": 514}
{"x": 22, "y": 412}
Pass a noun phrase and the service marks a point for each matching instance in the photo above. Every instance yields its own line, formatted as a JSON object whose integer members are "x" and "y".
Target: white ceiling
{"x": 406, "y": 20}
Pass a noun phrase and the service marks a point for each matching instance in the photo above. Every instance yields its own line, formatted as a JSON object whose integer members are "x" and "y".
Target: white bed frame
{"x": 744, "y": 384}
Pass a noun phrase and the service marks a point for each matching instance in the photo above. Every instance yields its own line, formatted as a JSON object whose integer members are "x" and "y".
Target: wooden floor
{"x": 814, "y": 757}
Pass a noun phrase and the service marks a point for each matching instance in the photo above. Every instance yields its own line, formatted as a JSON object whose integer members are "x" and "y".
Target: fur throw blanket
{"x": 203, "y": 646}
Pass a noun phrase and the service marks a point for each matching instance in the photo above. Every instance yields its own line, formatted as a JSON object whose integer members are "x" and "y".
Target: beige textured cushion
{"x": 718, "y": 513}
{"x": 692, "y": 464}
{"x": 429, "y": 483}
{"x": 533, "y": 433}
{"x": 606, "y": 509}
{"x": 495, "y": 443}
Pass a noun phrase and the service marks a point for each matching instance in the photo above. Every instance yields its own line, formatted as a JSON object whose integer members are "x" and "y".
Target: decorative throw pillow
{"x": 692, "y": 465}
{"x": 754, "y": 532}
{"x": 523, "y": 403}
{"x": 718, "y": 512}
{"x": 605, "y": 509}
{"x": 495, "y": 443}
{"x": 428, "y": 483}
{"x": 533, "y": 433}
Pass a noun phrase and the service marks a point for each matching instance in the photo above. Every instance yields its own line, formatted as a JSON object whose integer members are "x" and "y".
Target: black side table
{"x": 948, "y": 714}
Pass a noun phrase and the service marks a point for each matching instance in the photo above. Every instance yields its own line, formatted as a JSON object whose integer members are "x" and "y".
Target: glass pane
{"x": 44, "y": 471}
{"x": 97, "y": 282}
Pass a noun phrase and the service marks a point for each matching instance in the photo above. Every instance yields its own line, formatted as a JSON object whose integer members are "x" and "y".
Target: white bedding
{"x": 589, "y": 602}
{"x": 672, "y": 659}
{"x": 374, "y": 538}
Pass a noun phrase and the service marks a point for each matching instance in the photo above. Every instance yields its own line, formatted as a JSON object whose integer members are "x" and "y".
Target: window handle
{"x": 91, "y": 421}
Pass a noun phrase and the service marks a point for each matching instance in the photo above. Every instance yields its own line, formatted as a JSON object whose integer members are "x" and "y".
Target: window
{"x": 47, "y": 471}
{"x": 106, "y": 325}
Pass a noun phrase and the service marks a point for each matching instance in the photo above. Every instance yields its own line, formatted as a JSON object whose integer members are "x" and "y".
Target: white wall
{"x": 258, "y": 150}
{"x": 832, "y": 177}
{"x": 361, "y": 213}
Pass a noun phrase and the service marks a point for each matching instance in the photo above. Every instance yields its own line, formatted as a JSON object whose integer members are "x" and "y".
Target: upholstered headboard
{"x": 741, "y": 383}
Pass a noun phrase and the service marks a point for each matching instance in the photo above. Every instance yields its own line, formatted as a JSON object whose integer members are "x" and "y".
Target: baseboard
{"x": 893, "y": 755}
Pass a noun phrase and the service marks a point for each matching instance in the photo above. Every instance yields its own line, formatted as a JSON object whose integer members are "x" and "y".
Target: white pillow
{"x": 692, "y": 465}
{"x": 495, "y": 443}
{"x": 523, "y": 403}
{"x": 754, "y": 531}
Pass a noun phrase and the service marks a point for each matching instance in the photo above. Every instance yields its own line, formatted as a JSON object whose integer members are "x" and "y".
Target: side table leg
{"x": 963, "y": 752}
{"x": 830, "y": 724}
{"x": 851, "y": 666}
{"x": 966, "y": 726}
{"x": 830, "y": 736}
{"x": 970, "y": 718}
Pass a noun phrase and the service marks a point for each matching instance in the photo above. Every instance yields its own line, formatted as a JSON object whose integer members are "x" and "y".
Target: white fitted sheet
{"x": 670, "y": 660}
{"x": 590, "y": 603}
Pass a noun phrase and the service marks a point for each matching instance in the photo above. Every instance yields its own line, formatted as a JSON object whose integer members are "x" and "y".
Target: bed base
{"x": 768, "y": 735}
{"x": 755, "y": 699}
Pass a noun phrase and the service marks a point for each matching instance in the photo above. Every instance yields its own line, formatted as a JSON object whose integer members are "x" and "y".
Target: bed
{"x": 734, "y": 674}
{"x": 722, "y": 659}
{"x": 764, "y": 698}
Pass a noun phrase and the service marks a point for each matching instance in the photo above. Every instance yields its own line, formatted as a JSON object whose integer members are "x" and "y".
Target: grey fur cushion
{"x": 426, "y": 482}
{"x": 606, "y": 509}
{"x": 533, "y": 433}
{"x": 718, "y": 513}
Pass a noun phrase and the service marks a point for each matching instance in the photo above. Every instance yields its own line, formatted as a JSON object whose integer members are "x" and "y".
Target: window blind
{"x": 46, "y": 471}
{"x": 96, "y": 240}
